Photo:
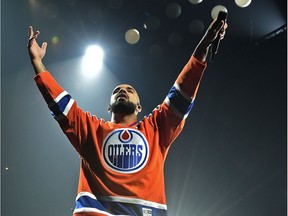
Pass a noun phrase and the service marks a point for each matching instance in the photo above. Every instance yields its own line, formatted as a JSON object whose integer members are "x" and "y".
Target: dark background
{"x": 230, "y": 159}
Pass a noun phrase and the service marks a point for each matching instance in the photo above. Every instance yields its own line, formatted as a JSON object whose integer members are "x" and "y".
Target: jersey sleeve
{"x": 171, "y": 114}
{"x": 183, "y": 93}
{"x": 71, "y": 118}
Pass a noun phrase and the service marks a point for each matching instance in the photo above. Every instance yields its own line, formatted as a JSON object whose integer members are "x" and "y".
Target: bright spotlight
{"x": 92, "y": 61}
{"x": 243, "y": 3}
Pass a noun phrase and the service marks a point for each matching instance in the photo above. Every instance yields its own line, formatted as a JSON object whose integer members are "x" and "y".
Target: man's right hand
{"x": 210, "y": 35}
{"x": 36, "y": 52}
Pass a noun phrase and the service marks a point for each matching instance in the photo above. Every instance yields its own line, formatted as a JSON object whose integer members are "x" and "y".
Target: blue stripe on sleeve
{"x": 179, "y": 101}
{"x": 58, "y": 108}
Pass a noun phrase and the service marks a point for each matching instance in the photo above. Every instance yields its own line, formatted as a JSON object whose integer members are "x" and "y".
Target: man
{"x": 122, "y": 160}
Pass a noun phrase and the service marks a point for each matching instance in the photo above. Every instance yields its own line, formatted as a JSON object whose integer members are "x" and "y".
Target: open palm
{"x": 35, "y": 51}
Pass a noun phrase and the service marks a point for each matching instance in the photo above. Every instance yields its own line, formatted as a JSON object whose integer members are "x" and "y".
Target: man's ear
{"x": 109, "y": 108}
{"x": 138, "y": 108}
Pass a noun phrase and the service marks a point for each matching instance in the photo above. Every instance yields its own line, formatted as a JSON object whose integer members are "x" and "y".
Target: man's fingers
{"x": 223, "y": 31}
{"x": 32, "y": 34}
{"x": 30, "y": 31}
{"x": 35, "y": 35}
{"x": 219, "y": 26}
{"x": 44, "y": 45}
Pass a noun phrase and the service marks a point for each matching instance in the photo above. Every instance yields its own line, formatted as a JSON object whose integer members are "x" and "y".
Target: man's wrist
{"x": 201, "y": 51}
{"x": 38, "y": 66}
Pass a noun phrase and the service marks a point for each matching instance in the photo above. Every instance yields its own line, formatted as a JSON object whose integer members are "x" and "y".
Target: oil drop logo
{"x": 125, "y": 150}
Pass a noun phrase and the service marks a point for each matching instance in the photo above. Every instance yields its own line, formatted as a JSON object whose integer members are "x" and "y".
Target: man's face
{"x": 125, "y": 100}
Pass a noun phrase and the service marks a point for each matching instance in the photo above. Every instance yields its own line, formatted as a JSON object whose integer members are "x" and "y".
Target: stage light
{"x": 243, "y": 3}
{"x": 216, "y": 10}
{"x": 195, "y": 1}
{"x": 132, "y": 36}
{"x": 92, "y": 61}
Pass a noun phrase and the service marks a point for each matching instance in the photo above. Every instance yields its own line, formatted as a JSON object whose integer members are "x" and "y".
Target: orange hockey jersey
{"x": 122, "y": 167}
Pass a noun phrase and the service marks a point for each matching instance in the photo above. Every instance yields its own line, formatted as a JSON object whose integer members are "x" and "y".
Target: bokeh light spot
{"x": 196, "y": 26}
{"x": 195, "y": 1}
{"x": 173, "y": 10}
{"x": 132, "y": 36}
{"x": 55, "y": 40}
{"x": 243, "y": 3}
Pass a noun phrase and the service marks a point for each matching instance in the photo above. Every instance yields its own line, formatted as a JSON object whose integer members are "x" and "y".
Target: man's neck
{"x": 123, "y": 119}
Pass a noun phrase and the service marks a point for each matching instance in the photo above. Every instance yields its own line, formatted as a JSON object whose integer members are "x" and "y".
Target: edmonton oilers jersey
{"x": 122, "y": 166}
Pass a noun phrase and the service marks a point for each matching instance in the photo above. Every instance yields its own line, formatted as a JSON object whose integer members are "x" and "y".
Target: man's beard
{"x": 123, "y": 107}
